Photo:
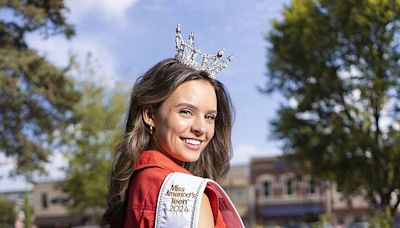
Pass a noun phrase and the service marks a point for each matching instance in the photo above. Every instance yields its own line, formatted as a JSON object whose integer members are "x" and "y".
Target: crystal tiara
{"x": 188, "y": 54}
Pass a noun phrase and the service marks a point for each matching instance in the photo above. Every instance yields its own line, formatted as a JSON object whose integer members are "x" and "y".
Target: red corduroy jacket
{"x": 149, "y": 173}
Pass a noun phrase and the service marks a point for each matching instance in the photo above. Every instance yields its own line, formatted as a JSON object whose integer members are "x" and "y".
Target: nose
{"x": 199, "y": 126}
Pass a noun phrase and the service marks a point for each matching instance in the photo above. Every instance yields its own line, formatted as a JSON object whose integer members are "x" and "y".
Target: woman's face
{"x": 184, "y": 123}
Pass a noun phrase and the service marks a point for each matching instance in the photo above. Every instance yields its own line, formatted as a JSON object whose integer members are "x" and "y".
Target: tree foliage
{"x": 382, "y": 219}
{"x": 7, "y": 213}
{"x": 35, "y": 96}
{"x": 27, "y": 208}
{"x": 338, "y": 65}
{"x": 100, "y": 113}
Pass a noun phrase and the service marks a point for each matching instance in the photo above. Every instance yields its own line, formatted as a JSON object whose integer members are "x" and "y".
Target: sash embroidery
{"x": 179, "y": 201}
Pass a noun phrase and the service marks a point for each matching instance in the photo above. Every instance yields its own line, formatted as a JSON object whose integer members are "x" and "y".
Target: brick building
{"x": 285, "y": 195}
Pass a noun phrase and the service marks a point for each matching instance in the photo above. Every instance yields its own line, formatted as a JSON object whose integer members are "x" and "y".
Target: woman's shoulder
{"x": 144, "y": 187}
{"x": 146, "y": 178}
{"x": 143, "y": 192}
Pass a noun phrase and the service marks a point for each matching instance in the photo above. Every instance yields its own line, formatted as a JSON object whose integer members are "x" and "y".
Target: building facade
{"x": 268, "y": 192}
{"x": 237, "y": 185}
{"x": 50, "y": 207}
{"x": 285, "y": 195}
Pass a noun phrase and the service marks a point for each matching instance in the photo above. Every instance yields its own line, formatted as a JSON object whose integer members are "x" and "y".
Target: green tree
{"x": 7, "y": 213}
{"x": 337, "y": 63}
{"x": 382, "y": 219}
{"x": 27, "y": 211}
{"x": 36, "y": 98}
{"x": 100, "y": 114}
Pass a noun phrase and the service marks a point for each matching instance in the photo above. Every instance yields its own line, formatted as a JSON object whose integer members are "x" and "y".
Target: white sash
{"x": 179, "y": 200}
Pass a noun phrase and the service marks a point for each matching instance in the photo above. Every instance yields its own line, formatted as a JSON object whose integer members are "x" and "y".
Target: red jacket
{"x": 149, "y": 173}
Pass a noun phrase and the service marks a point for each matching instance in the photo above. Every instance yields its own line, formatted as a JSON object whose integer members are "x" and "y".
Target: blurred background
{"x": 314, "y": 83}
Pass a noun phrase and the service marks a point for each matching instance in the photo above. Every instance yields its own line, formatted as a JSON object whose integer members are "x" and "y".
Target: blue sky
{"x": 126, "y": 37}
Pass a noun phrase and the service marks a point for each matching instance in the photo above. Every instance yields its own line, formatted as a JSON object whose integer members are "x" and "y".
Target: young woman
{"x": 177, "y": 140}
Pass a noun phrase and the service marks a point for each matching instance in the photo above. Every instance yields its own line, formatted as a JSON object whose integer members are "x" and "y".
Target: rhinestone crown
{"x": 188, "y": 54}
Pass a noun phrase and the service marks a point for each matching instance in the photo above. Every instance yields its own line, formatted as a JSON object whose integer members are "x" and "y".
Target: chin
{"x": 190, "y": 158}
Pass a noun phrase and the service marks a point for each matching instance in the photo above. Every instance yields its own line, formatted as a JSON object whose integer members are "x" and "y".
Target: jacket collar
{"x": 154, "y": 158}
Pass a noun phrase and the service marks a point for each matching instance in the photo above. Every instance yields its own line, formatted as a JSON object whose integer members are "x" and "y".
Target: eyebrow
{"x": 193, "y": 107}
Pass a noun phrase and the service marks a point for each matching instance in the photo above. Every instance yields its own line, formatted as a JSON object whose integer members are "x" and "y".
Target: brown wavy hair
{"x": 149, "y": 91}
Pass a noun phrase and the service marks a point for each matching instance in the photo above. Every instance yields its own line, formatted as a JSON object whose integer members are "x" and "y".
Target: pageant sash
{"x": 179, "y": 201}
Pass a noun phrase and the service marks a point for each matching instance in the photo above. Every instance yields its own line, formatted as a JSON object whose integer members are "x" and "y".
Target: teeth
{"x": 192, "y": 141}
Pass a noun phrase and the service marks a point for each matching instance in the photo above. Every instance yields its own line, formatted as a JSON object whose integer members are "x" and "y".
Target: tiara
{"x": 188, "y": 54}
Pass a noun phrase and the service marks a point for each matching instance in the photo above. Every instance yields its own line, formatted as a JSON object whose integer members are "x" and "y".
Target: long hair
{"x": 149, "y": 91}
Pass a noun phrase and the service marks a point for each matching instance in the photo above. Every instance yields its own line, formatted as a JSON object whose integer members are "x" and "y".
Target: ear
{"x": 148, "y": 116}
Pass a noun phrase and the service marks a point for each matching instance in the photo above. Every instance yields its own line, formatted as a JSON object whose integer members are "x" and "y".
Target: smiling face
{"x": 184, "y": 123}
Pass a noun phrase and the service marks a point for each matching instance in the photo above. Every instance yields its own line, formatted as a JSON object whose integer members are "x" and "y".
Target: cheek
{"x": 175, "y": 126}
{"x": 211, "y": 132}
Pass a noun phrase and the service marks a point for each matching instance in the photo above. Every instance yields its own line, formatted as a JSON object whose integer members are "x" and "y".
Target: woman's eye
{"x": 186, "y": 112}
{"x": 210, "y": 117}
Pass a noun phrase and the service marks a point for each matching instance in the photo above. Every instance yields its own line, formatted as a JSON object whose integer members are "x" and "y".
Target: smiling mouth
{"x": 193, "y": 142}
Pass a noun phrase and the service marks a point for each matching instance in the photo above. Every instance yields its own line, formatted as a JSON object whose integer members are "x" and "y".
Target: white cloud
{"x": 243, "y": 153}
{"x": 6, "y": 164}
{"x": 58, "y": 50}
{"x": 7, "y": 183}
{"x": 347, "y": 74}
{"x": 109, "y": 10}
{"x": 10, "y": 184}
{"x": 387, "y": 120}
{"x": 293, "y": 103}
{"x": 56, "y": 166}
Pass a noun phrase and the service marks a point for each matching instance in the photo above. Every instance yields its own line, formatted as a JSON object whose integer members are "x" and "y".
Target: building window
{"x": 265, "y": 185}
{"x": 60, "y": 200}
{"x": 266, "y": 190}
{"x": 44, "y": 200}
{"x": 312, "y": 187}
{"x": 289, "y": 187}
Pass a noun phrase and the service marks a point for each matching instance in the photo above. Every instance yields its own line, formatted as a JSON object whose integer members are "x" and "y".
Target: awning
{"x": 290, "y": 210}
{"x": 59, "y": 221}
